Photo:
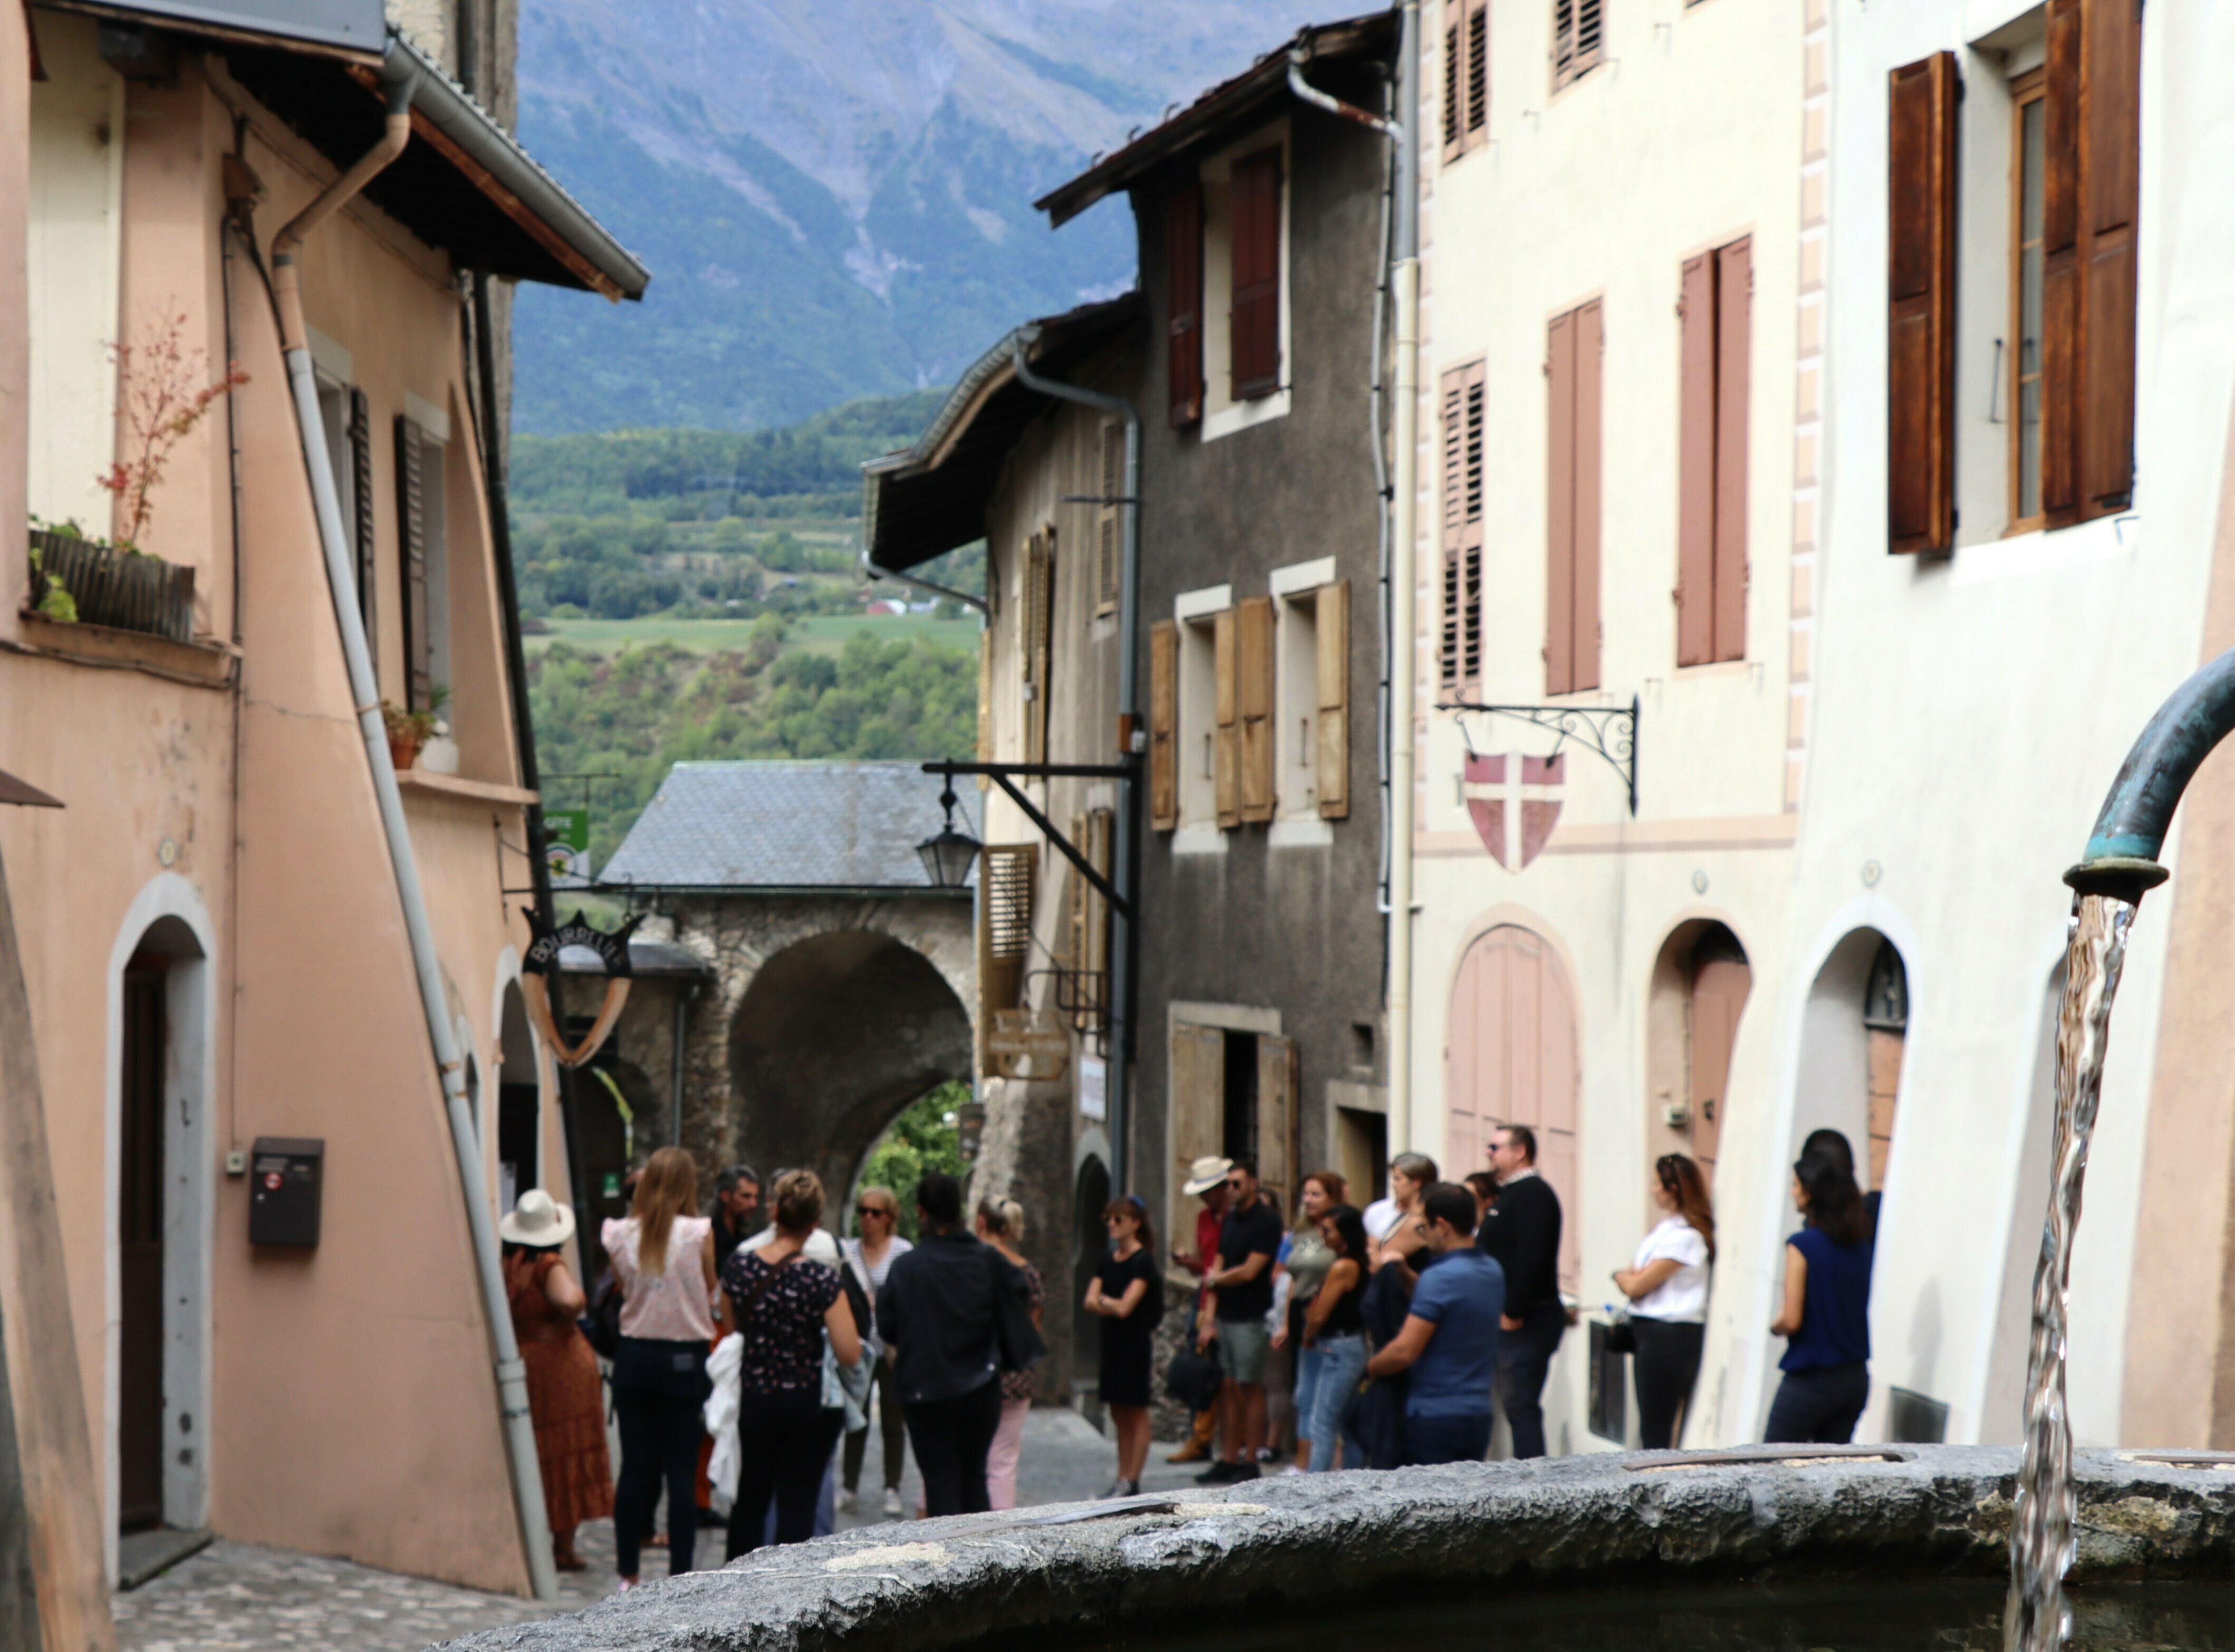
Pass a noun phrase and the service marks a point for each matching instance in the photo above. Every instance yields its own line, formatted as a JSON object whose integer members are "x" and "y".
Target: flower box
{"x": 117, "y": 588}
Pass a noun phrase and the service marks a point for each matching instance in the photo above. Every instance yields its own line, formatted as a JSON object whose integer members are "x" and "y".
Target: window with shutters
{"x": 1461, "y": 508}
{"x": 424, "y": 563}
{"x": 1005, "y": 873}
{"x": 1253, "y": 200}
{"x": 1714, "y": 319}
{"x": 1109, "y": 538}
{"x": 1196, "y": 721}
{"x": 1248, "y": 348}
{"x": 1578, "y": 39}
{"x": 347, "y": 415}
{"x": 1184, "y": 300}
{"x": 2029, "y": 158}
{"x": 1301, "y": 705}
{"x": 1253, "y": 698}
{"x": 1086, "y": 996}
{"x": 1575, "y": 342}
{"x": 1921, "y": 306}
{"x": 1036, "y": 645}
{"x": 1164, "y": 725}
{"x": 1466, "y": 76}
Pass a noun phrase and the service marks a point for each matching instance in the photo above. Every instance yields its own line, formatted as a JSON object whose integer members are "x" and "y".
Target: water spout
{"x": 2120, "y": 865}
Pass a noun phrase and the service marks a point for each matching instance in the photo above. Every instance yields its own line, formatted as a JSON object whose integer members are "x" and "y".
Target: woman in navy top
{"x": 1826, "y": 1318}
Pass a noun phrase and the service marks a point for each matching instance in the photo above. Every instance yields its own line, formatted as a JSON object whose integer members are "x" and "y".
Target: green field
{"x": 816, "y": 633}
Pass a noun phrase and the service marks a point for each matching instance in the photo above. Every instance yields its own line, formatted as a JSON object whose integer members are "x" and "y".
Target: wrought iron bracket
{"x": 1610, "y": 730}
{"x": 1002, "y": 775}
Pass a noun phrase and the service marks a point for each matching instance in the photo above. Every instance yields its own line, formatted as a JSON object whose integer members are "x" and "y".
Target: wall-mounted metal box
{"x": 285, "y": 1176}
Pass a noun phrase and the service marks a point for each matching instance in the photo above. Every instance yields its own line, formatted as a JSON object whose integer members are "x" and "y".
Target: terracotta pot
{"x": 403, "y": 751}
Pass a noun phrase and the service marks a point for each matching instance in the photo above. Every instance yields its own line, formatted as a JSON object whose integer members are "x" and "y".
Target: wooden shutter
{"x": 1467, "y": 76}
{"x": 1578, "y": 39}
{"x": 2110, "y": 141}
{"x": 1254, "y": 667}
{"x": 1572, "y": 368}
{"x": 1477, "y": 73}
{"x": 1695, "y": 467}
{"x": 1733, "y": 370}
{"x": 1109, "y": 544}
{"x": 1921, "y": 307}
{"x": 1038, "y": 618}
{"x": 1005, "y": 932}
{"x": 411, "y": 523}
{"x": 1331, "y": 771}
{"x": 1256, "y": 201}
{"x": 985, "y": 698}
{"x": 1276, "y": 1118}
{"x": 1184, "y": 268}
{"x": 1225, "y": 765}
{"x": 368, "y": 577}
{"x": 1462, "y": 516}
{"x": 2061, "y": 274}
{"x": 1198, "y": 1122}
{"x": 1088, "y": 941}
{"x": 1164, "y": 725}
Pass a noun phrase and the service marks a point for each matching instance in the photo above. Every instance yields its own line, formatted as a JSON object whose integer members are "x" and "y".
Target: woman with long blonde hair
{"x": 662, "y": 1255}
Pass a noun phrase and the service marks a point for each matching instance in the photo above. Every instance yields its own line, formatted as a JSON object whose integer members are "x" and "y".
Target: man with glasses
{"x": 1241, "y": 1283}
{"x": 870, "y": 1255}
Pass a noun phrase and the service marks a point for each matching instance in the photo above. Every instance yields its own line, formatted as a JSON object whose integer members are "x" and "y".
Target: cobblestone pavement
{"x": 235, "y": 1597}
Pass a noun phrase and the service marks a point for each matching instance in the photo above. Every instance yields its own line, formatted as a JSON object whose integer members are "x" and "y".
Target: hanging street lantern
{"x": 948, "y": 856}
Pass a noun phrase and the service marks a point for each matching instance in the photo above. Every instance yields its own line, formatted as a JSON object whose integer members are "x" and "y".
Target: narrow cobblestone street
{"x": 236, "y": 1597}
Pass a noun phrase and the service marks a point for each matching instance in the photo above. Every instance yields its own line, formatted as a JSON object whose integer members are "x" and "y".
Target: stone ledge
{"x": 1279, "y": 1547}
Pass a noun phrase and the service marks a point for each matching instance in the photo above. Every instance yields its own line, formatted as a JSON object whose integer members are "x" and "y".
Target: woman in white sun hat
{"x": 565, "y": 1397}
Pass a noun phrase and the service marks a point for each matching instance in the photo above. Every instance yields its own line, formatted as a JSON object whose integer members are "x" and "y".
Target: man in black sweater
{"x": 1522, "y": 1231}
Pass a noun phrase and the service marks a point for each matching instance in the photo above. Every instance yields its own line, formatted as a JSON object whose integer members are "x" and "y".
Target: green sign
{"x": 612, "y": 1185}
{"x": 567, "y": 828}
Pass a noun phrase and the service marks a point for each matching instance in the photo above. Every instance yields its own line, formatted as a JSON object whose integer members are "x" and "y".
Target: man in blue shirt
{"x": 1448, "y": 1347}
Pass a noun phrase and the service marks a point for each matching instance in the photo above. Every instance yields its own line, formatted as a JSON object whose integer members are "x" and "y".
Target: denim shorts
{"x": 1241, "y": 1346}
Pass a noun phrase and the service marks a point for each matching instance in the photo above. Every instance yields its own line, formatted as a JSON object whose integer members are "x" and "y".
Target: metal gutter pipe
{"x": 1404, "y": 619}
{"x": 871, "y": 571}
{"x": 1389, "y": 128}
{"x": 294, "y": 337}
{"x": 1124, "y": 947}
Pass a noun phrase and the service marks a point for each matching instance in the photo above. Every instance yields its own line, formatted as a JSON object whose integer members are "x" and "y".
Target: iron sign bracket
{"x": 1004, "y": 776}
{"x": 1609, "y": 730}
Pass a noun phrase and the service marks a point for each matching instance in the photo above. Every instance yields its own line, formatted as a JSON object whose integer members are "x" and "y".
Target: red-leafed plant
{"x": 164, "y": 388}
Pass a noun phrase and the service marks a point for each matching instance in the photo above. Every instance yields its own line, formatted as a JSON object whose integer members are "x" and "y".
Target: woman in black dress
{"x": 1129, "y": 1293}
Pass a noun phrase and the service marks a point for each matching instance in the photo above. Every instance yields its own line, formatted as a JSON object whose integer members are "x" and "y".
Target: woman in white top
{"x": 1411, "y": 1175}
{"x": 1666, "y": 1284}
{"x": 665, "y": 1259}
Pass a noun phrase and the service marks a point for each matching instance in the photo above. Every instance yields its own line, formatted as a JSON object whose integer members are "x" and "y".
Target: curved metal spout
{"x": 2122, "y": 850}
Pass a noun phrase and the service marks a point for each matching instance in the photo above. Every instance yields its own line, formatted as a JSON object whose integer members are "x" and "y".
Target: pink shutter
{"x": 1590, "y": 346}
{"x": 1560, "y": 508}
{"x": 1734, "y": 328}
{"x": 1695, "y": 467}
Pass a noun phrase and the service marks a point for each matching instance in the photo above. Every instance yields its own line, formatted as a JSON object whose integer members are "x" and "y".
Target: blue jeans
{"x": 1341, "y": 1362}
{"x": 1309, "y": 1361}
{"x": 1446, "y": 1439}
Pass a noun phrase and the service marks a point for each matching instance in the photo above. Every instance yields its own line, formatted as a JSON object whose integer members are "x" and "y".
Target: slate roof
{"x": 787, "y": 826}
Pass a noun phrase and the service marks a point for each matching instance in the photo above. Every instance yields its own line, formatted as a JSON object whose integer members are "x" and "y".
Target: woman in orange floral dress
{"x": 564, "y": 1396}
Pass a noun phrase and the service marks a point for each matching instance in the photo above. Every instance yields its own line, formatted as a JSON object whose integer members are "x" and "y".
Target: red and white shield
{"x": 1515, "y": 801}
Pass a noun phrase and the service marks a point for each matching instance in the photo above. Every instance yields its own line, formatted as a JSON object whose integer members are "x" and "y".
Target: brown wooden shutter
{"x": 1254, "y": 667}
{"x": 1255, "y": 200}
{"x": 1590, "y": 352}
{"x": 1463, "y": 518}
{"x": 1164, "y": 725}
{"x": 1695, "y": 467}
{"x": 1331, "y": 770}
{"x": 1572, "y": 367}
{"x": 368, "y": 576}
{"x": 2061, "y": 275}
{"x": 1453, "y": 520}
{"x": 1578, "y": 39}
{"x": 1467, "y": 76}
{"x": 1038, "y": 618}
{"x": 1183, "y": 265}
{"x": 412, "y": 522}
{"x": 1225, "y": 765}
{"x": 1921, "y": 307}
{"x": 1109, "y": 544}
{"x": 1477, "y": 73}
{"x": 2110, "y": 139}
{"x": 1733, "y": 372}
{"x": 1197, "y": 1124}
{"x": 1276, "y": 1118}
{"x": 1005, "y": 932}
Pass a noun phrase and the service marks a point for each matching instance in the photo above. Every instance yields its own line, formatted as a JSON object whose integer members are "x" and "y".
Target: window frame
{"x": 2029, "y": 90}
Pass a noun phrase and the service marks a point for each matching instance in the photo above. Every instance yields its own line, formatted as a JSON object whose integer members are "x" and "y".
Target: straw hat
{"x": 537, "y": 1219}
{"x": 1206, "y": 1174}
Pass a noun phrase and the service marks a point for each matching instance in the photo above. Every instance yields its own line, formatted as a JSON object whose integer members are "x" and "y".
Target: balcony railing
{"x": 121, "y": 589}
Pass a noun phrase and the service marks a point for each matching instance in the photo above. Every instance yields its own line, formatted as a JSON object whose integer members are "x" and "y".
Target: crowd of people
{"x": 743, "y": 1352}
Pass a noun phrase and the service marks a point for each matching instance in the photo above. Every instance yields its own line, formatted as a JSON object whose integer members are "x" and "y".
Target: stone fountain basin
{"x": 1292, "y": 1547}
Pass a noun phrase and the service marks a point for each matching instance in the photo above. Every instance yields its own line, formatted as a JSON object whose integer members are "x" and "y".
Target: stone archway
{"x": 833, "y": 1038}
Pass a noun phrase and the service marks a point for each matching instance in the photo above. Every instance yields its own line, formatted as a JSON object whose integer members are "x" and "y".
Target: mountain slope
{"x": 835, "y": 195}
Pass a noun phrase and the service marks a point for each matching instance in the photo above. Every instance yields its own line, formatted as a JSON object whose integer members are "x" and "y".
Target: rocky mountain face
{"x": 835, "y": 196}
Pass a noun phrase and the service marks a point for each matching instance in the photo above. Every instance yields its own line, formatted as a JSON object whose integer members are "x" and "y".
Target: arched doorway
{"x": 1701, "y": 983}
{"x": 1512, "y": 1059}
{"x": 1854, "y": 1034}
{"x": 1089, "y": 1243}
{"x": 834, "y": 1037}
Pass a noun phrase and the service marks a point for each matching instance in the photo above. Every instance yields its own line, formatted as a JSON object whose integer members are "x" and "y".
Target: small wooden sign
{"x": 1022, "y": 1037}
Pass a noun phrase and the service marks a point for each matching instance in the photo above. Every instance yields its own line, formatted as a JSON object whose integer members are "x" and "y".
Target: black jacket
{"x": 1522, "y": 1232}
{"x": 939, "y": 1312}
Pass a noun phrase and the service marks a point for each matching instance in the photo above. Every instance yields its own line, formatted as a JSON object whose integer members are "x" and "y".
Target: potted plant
{"x": 407, "y": 732}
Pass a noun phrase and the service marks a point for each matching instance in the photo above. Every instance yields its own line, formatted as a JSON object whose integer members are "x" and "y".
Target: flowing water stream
{"x": 2037, "y": 1618}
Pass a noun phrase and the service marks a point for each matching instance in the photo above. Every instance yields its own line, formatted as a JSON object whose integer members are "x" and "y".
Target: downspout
{"x": 1404, "y": 619}
{"x": 1124, "y": 952}
{"x": 294, "y": 339}
{"x": 871, "y": 571}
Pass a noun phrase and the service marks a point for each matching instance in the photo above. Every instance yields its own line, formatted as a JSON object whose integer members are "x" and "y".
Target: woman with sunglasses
{"x": 870, "y": 1256}
{"x": 1128, "y": 1293}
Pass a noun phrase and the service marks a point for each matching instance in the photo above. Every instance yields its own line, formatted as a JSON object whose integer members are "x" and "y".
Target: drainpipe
{"x": 294, "y": 339}
{"x": 1124, "y": 950}
{"x": 1403, "y": 617}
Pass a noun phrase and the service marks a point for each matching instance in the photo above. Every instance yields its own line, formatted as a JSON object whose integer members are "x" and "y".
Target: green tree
{"x": 923, "y": 1139}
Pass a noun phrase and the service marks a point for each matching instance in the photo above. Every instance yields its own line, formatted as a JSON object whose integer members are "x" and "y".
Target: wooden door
{"x": 1198, "y": 1120}
{"x": 1719, "y": 995}
{"x": 140, "y": 1251}
{"x": 1512, "y": 1059}
{"x": 1276, "y": 1118}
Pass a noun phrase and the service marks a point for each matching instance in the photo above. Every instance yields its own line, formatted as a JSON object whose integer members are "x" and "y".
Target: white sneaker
{"x": 892, "y": 1504}
{"x": 845, "y": 1502}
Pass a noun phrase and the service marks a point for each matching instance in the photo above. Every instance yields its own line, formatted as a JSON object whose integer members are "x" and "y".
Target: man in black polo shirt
{"x": 1242, "y": 1284}
{"x": 1522, "y": 1231}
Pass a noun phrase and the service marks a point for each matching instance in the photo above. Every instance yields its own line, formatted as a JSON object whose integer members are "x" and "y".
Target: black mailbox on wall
{"x": 284, "y": 1178}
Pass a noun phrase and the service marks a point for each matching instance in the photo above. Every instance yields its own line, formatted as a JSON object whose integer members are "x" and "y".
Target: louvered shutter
{"x": 2110, "y": 68}
{"x": 1477, "y": 73}
{"x": 1254, "y": 667}
{"x": 1276, "y": 1118}
{"x": 1109, "y": 543}
{"x": 1331, "y": 770}
{"x": 411, "y": 523}
{"x": 2061, "y": 275}
{"x": 1039, "y": 617}
{"x": 1226, "y": 765}
{"x": 1921, "y": 307}
{"x": 1462, "y": 516}
{"x": 1455, "y": 44}
{"x": 1695, "y": 467}
{"x": 1733, "y": 369}
{"x": 1578, "y": 39}
{"x": 1453, "y": 524}
{"x": 368, "y": 577}
{"x": 1164, "y": 725}
{"x": 1005, "y": 932}
{"x": 1591, "y": 350}
{"x": 1183, "y": 265}
{"x": 1255, "y": 200}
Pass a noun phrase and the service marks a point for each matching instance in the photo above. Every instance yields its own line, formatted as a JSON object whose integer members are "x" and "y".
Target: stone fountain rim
{"x": 1274, "y": 1548}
